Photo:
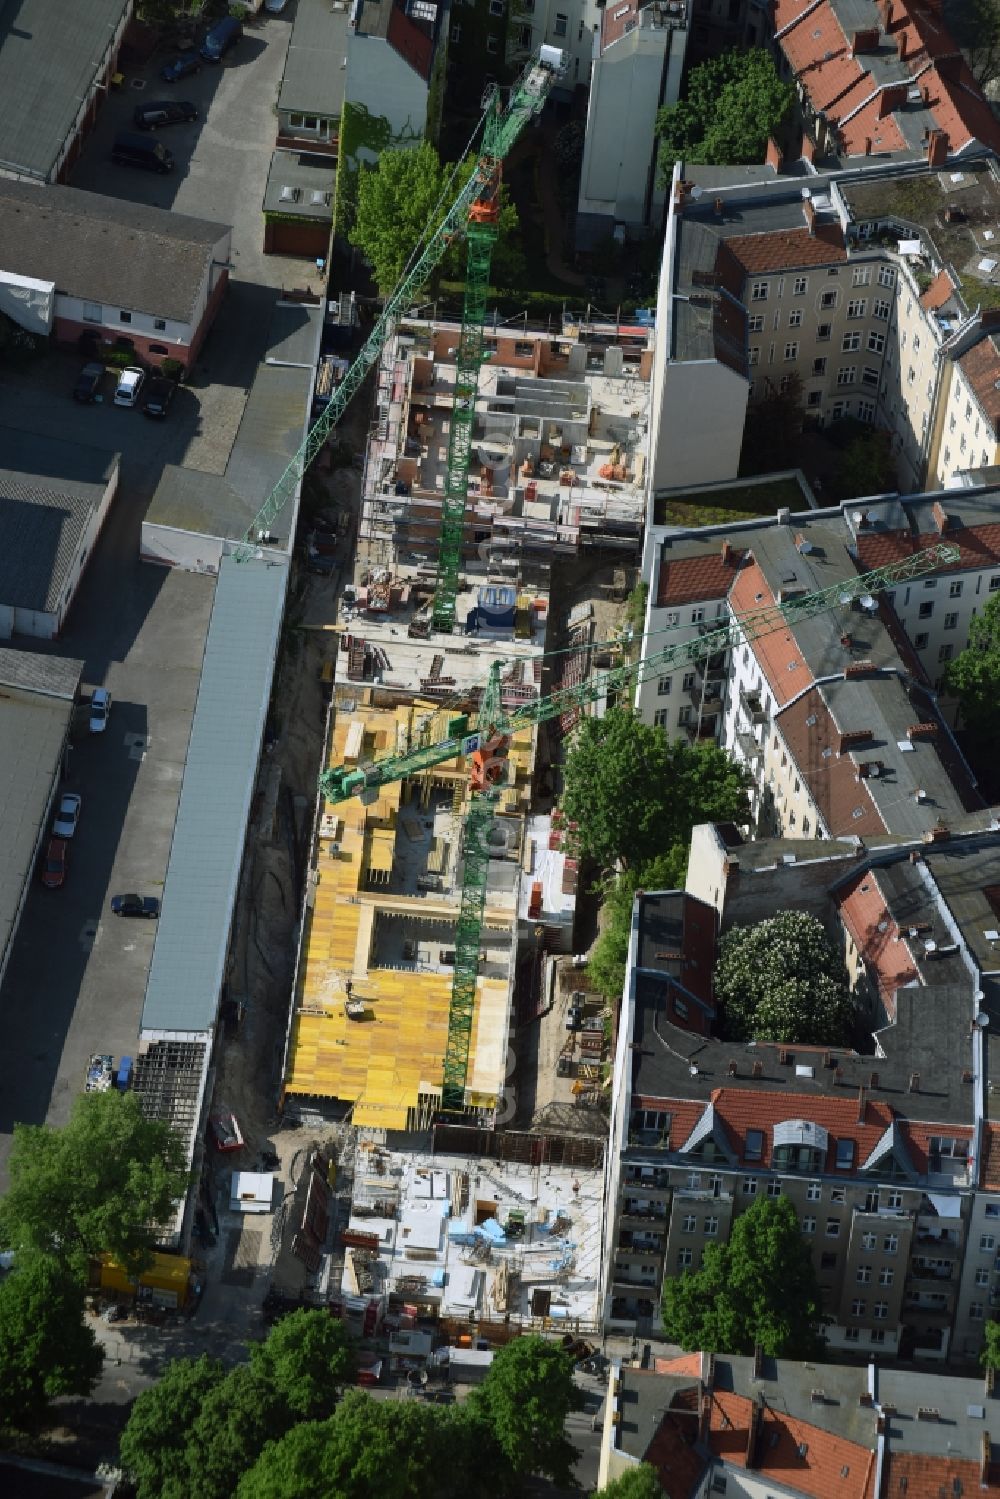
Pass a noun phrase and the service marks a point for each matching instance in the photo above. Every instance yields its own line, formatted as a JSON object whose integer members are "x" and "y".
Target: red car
{"x": 54, "y": 868}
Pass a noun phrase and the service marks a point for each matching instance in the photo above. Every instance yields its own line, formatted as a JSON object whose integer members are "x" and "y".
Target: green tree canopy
{"x": 974, "y": 675}
{"x": 760, "y": 1288}
{"x": 636, "y": 1483}
{"x": 608, "y": 959}
{"x": 307, "y": 1359}
{"x": 524, "y": 1400}
{"x": 781, "y": 980}
{"x": 990, "y": 1356}
{"x": 97, "y": 1185}
{"x": 635, "y": 794}
{"x": 732, "y": 105}
{"x": 154, "y": 1444}
{"x": 408, "y": 194}
{"x": 46, "y": 1347}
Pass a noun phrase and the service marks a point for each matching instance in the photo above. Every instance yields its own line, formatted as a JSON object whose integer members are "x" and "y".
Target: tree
{"x": 405, "y": 197}
{"x": 608, "y": 960}
{"x": 635, "y": 1483}
{"x": 974, "y": 675}
{"x": 525, "y": 1398}
{"x": 238, "y": 1417}
{"x": 100, "y": 1184}
{"x": 759, "y": 1289}
{"x": 733, "y": 104}
{"x": 155, "y": 1441}
{"x": 635, "y": 794}
{"x": 46, "y": 1348}
{"x": 990, "y": 1356}
{"x": 306, "y": 1360}
{"x": 781, "y": 980}
{"x": 975, "y": 25}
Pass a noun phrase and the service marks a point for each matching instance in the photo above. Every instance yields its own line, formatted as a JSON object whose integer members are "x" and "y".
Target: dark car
{"x": 135, "y": 905}
{"x": 181, "y": 67}
{"x": 223, "y": 35}
{"x": 159, "y": 394}
{"x": 54, "y": 867}
{"x": 160, "y": 112}
{"x": 88, "y": 383}
{"x": 133, "y": 150}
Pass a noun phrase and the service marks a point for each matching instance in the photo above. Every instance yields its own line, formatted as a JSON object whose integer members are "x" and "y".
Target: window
{"x": 754, "y": 1145}
{"x": 814, "y": 1191}
{"x": 158, "y": 349}
{"x": 663, "y": 686}
{"x": 845, "y": 1155}
{"x": 911, "y": 375}
{"x": 791, "y": 351}
{"x": 955, "y": 589}
{"x": 886, "y": 1277}
{"x": 800, "y": 286}
{"x": 660, "y": 718}
{"x": 926, "y": 609}
{"x": 749, "y": 1186}
{"x": 809, "y": 1225}
{"x": 684, "y": 1259}
{"x": 680, "y": 1008}
{"x": 864, "y": 1275}
{"x": 561, "y": 24}
{"x": 687, "y": 684}
{"x": 684, "y": 716}
{"x": 946, "y": 652}
{"x": 522, "y": 35}
{"x": 774, "y": 1189}
{"x": 719, "y": 1483}
{"x": 673, "y": 618}
{"x": 492, "y": 44}
{"x": 857, "y": 307}
{"x": 828, "y": 299}
{"x": 886, "y": 276}
{"x": 124, "y": 317}
{"x": 755, "y": 323}
{"x": 754, "y": 356}
{"x": 687, "y": 1227}
{"x": 876, "y": 343}
{"x": 456, "y": 36}
{"x": 858, "y": 1307}
{"x": 881, "y": 309}
{"x": 828, "y": 1260}
{"x": 976, "y": 1311}
{"x": 987, "y": 1243}
{"x": 890, "y": 1244}
{"x": 758, "y": 291}
{"x": 814, "y": 398}
{"x": 995, "y": 583}
{"x": 819, "y": 366}
{"x": 881, "y": 1310}
{"x": 496, "y": 7}
{"x": 877, "y": 1335}
{"x": 823, "y": 332}
{"x": 838, "y": 1196}
{"x": 894, "y": 1200}
{"x": 862, "y": 275}
{"x": 920, "y": 641}
{"x": 851, "y": 1334}
{"x": 160, "y": 324}
{"x": 711, "y": 1227}
{"x": 869, "y": 375}
{"x": 982, "y": 1277}
{"x": 866, "y": 411}
{"x": 795, "y": 318}
{"x": 916, "y": 343}
{"x": 850, "y": 343}
{"x": 951, "y": 621}
{"x": 867, "y": 1241}
{"x": 951, "y": 422}
{"x": 833, "y": 1228}
{"x": 697, "y": 615}
{"x": 847, "y": 374}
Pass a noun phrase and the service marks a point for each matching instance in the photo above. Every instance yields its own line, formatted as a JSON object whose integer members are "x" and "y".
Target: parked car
{"x": 159, "y": 112}
{"x": 159, "y": 394}
{"x": 135, "y": 905}
{"x": 100, "y": 710}
{"x": 181, "y": 67}
{"x": 129, "y": 385}
{"x": 275, "y": 7}
{"x": 223, "y": 35}
{"x": 54, "y": 867}
{"x": 134, "y": 150}
{"x": 68, "y": 815}
{"x": 88, "y": 383}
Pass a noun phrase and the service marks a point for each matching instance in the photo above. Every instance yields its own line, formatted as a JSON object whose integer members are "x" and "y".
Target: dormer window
{"x": 755, "y": 1145}
{"x": 845, "y": 1155}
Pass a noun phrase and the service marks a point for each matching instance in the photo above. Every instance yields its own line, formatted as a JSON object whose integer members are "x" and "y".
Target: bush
{"x": 172, "y": 368}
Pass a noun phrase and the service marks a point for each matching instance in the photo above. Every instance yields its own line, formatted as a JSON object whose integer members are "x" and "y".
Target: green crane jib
{"x": 504, "y": 123}
{"x": 486, "y": 750}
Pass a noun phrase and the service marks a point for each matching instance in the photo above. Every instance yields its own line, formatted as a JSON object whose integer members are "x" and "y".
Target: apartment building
{"x": 570, "y": 25}
{"x": 870, "y": 290}
{"x": 750, "y": 1427}
{"x": 881, "y": 1154}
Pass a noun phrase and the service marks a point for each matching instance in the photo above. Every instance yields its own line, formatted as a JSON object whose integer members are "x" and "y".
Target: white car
{"x": 129, "y": 385}
{"x": 68, "y": 815}
{"x": 100, "y": 710}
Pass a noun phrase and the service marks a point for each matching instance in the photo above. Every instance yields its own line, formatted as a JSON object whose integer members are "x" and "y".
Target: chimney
{"x": 937, "y": 148}
{"x": 914, "y": 1082}
{"x": 915, "y": 856}
{"x": 757, "y": 1070}
{"x": 868, "y": 145}
{"x": 704, "y": 1412}
{"x": 753, "y": 1433}
{"x": 774, "y": 157}
{"x": 941, "y": 517}
{"x": 950, "y": 66}
{"x": 926, "y": 730}
{"x": 873, "y": 1080}
{"x": 810, "y": 213}
{"x": 893, "y": 96}
{"x": 989, "y": 319}
{"x": 733, "y": 1069}
{"x": 939, "y": 833}
{"x": 847, "y": 641}
{"x": 718, "y": 208}
{"x": 728, "y": 555}
{"x": 851, "y": 738}
{"x": 858, "y": 668}
{"x": 984, "y": 1460}
{"x": 758, "y": 1361}
{"x": 838, "y": 1076}
{"x": 862, "y": 1104}
{"x": 865, "y": 41}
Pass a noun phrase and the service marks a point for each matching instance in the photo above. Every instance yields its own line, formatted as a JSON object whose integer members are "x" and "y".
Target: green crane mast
{"x": 479, "y": 197}
{"x": 486, "y": 749}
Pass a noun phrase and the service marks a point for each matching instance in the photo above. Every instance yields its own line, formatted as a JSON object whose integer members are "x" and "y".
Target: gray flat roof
{"x": 315, "y": 71}
{"x": 294, "y": 335}
{"x": 270, "y": 435}
{"x": 199, "y": 892}
{"x": 310, "y": 178}
{"x": 107, "y": 250}
{"x": 48, "y": 492}
{"x": 35, "y": 709}
{"x": 50, "y": 55}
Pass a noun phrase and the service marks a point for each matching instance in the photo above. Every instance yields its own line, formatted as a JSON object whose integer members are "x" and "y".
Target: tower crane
{"x": 474, "y": 212}
{"x": 485, "y": 748}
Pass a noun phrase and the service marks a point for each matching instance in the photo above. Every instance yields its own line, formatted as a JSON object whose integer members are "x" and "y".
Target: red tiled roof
{"x": 876, "y": 935}
{"x": 788, "y": 249}
{"x": 741, "y": 1109}
{"x": 939, "y": 291}
{"x": 960, "y": 109}
{"x": 831, "y": 778}
{"x": 981, "y": 367}
{"x": 979, "y": 547}
{"x": 684, "y": 1114}
{"x": 918, "y": 1136}
{"x": 687, "y": 1363}
{"x": 778, "y": 650}
{"x": 796, "y": 1454}
{"x": 678, "y": 1462}
{"x": 867, "y": 131}
{"x": 694, "y": 580}
{"x": 990, "y": 1178}
{"x": 928, "y": 1477}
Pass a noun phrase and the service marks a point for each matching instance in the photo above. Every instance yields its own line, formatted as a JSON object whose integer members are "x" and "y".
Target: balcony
{"x": 751, "y": 751}
{"x": 702, "y": 734}
{"x": 635, "y": 1282}
{"x": 938, "y": 1244}
{"x": 938, "y": 1275}
{"x": 712, "y": 700}
{"x": 930, "y": 1316}
{"x": 643, "y": 1217}
{"x": 753, "y": 707}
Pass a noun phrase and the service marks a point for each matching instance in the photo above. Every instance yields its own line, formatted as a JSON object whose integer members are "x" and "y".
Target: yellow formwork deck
{"x": 386, "y": 1062}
